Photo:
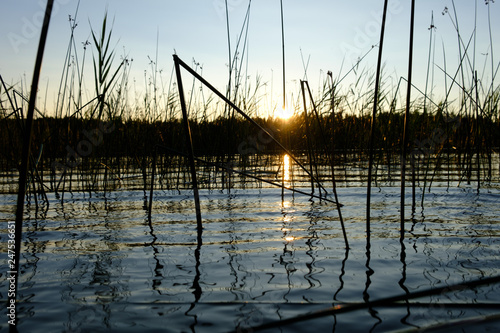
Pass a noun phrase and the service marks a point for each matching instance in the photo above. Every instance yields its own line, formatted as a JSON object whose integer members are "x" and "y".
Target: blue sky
{"x": 327, "y": 34}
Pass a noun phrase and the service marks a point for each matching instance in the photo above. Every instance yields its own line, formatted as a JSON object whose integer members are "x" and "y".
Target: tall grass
{"x": 145, "y": 119}
{"x": 405, "y": 126}
{"x": 25, "y": 157}
{"x": 373, "y": 119}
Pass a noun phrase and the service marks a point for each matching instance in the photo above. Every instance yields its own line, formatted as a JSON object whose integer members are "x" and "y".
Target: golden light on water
{"x": 286, "y": 167}
{"x": 287, "y": 216}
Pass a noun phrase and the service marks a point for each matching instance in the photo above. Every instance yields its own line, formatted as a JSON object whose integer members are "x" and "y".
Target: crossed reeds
{"x": 473, "y": 136}
{"x": 461, "y": 132}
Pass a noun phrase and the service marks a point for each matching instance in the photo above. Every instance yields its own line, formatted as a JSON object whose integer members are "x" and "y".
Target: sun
{"x": 285, "y": 113}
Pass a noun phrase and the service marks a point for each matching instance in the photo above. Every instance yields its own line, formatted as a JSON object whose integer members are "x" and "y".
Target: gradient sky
{"x": 327, "y": 34}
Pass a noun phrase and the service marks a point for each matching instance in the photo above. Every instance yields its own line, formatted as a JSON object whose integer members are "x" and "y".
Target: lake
{"x": 95, "y": 262}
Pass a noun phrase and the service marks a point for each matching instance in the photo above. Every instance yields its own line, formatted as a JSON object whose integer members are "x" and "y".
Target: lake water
{"x": 97, "y": 264}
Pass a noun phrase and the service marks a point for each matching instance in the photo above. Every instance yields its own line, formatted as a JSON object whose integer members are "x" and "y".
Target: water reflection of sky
{"x": 262, "y": 259}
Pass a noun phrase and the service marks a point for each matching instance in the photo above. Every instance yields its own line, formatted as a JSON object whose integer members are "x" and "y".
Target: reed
{"x": 341, "y": 112}
{"x": 26, "y": 154}
{"x": 135, "y": 142}
{"x": 374, "y": 113}
{"x": 407, "y": 115}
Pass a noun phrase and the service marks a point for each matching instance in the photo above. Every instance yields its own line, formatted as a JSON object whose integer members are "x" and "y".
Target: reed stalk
{"x": 308, "y": 134}
{"x": 103, "y": 74}
{"x": 348, "y": 125}
{"x": 378, "y": 303}
{"x": 431, "y": 29}
{"x": 407, "y": 115}
{"x": 189, "y": 143}
{"x": 26, "y": 152}
{"x": 151, "y": 188}
{"x": 477, "y": 138}
{"x": 283, "y": 55}
{"x": 373, "y": 119}
{"x": 332, "y": 162}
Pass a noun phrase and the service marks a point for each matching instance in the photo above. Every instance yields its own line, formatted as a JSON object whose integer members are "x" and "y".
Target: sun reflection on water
{"x": 286, "y": 167}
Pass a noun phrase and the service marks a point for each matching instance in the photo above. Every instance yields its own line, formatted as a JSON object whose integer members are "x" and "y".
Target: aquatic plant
{"x": 342, "y": 114}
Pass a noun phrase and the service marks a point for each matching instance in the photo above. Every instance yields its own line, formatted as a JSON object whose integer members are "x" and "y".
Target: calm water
{"x": 96, "y": 264}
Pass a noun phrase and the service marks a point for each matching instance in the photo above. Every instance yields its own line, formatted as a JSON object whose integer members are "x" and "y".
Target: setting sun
{"x": 285, "y": 113}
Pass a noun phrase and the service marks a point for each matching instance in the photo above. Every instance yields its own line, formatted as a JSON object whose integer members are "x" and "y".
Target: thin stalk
{"x": 478, "y": 140}
{"x": 372, "y": 128}
{"x": 283, "y": 182}
{"x": 238, "y": 70}
{"x": 431, "y": 29}
{"x": 308, "y": 134}
{"x": 247, "y": 117}
{"x": 447, "y": 114}
{"x": 230, "y": 62}
{"x": 460, "y": 50}
{"x": 407, "y": 115}
{"x": 488, "y": 2}
{"x": 64, "y": 75}
{"x": 283, "y": 54}
{"x": 151, "y": 188}
{"x": 227, "y": 110}
{"x": 332, "y": 162}
{"x": 377, "y": 303}
{"x": 189, "y": 143}
{"x": 493, "y": 72}
{"x": 229, "y": 169}
{"x": 23, "y": 171}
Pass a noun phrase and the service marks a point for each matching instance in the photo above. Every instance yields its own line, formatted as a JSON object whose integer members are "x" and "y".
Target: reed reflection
{"x": 33, "y": 254}
{"x": 287, "y": 258}
{"x": 94, "y": 282}
{"x": 401, "y": 283}
{"x": 341, "y": 279}
{"x": 158, "y": 269}
{"x": 366, "y": 296}
{"x": 197, "y": 291}
{"x": 235, "y": 260}
{"x": 313, "y": 243}
{"x": 342, "y": 273}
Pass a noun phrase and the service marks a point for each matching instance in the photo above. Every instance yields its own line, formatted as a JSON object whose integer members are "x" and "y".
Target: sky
{"x": 320, "y": 36}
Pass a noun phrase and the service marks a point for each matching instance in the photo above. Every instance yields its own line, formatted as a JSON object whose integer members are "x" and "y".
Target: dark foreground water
{"x": 96, "y": 264}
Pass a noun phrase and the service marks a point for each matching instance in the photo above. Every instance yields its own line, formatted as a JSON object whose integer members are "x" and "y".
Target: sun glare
{"x": 285, "y": 113}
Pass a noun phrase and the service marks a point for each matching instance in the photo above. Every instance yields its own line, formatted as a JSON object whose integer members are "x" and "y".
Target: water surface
{"x": 98, "y": 264}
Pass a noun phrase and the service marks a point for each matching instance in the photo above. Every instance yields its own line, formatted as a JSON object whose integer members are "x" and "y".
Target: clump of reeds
{"x": 153, "y": 118}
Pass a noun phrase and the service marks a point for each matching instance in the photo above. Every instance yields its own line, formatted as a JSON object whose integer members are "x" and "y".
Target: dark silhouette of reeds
{"x": 330, "y": 155}
{"x": 338, "y": 309}
{"x": 131, "y": 145}
{"x": 105, "y": 143}
{"x": 189, "y": 144}
{"x": 407, "y": 115}
{"x": 373, "y": 119}
{"x": 458, "y": 138}
{"x": 26, "y": 153}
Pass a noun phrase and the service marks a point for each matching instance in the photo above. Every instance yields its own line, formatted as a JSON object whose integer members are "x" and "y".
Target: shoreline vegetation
{"x": 103, "y": 139}
{"x": 87, "y": 129}
{"x": 87, "y": 146}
